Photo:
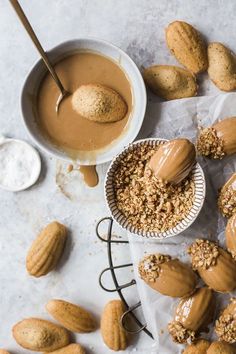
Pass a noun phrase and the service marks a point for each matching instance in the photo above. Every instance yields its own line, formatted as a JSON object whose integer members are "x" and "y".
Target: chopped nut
{"x": 150, "y": 204}
{"x": 148, "y": 267}
{"x": 225, "y": 326}
{"x": 204, "y": 254}
{"x": 227, "y": 201}
{"x": 180, "y": 334}
{"x": 209, "y": 144}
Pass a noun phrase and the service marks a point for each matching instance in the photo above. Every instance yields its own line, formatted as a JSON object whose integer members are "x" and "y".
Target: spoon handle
{"x": 36, "y": 42}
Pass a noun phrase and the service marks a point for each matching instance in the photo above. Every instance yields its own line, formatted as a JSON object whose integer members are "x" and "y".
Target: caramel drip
{"x": 90, "y": 175}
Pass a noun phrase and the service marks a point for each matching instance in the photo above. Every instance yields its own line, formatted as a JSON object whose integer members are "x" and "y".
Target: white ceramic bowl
{"x": 36, "y": 74}
{"x": 200, "y": 191}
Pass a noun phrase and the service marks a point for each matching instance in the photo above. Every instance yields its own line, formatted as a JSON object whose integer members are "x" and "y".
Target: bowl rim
{"x": 38, "y": 166}
{"x": 155, "y": 235}
{"x": 133, "y": 134}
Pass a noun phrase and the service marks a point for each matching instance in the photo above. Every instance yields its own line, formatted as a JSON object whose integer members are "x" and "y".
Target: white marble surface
{"x": 137, "y": 26}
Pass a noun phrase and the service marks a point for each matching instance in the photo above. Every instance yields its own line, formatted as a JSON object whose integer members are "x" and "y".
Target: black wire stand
{"x": 117, "y": 287}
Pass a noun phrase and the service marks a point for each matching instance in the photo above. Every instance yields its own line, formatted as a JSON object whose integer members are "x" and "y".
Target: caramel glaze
{"x": 90, "y": 175}
{"x": 68, "y": 130}
{"x": 220, "y": 277}
{"x": 175, "y": 279}
{"x": 230, "y": 235}
{"x": 196, "y": 311}
{"x": 227, "y": 128}
{"x": 173, "y": 160}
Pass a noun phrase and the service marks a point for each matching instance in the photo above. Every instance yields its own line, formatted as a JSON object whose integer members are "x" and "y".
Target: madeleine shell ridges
{"x": 73, "y": 317}
{"x": 187, "y": 45}
{"x": 73, "y": 348}
{"x": 40, "y": 335}
{"x": 222, "y": 66}
{"x": 114, "y": 336}
{"x": 173, "y": 161}
{"x": 46, "y": 249}
{"x": 170, "y": 82}
{"x": 99, "y": 103}
{"x": 214, "y": 265}
{"x": 169, "y": 277}
{"x": 196, "y": 311}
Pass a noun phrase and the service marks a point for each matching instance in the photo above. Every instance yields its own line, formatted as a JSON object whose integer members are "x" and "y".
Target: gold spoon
{"x": 37, "y": 44}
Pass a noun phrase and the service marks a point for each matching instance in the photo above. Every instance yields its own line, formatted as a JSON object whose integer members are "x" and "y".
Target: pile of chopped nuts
{"x": 149, "y": 267}
{"x": 150, "y": 204}
{"x": 209, "y": 144}
{"x": 179, "y": 333}
{"x": 203, "y": 253}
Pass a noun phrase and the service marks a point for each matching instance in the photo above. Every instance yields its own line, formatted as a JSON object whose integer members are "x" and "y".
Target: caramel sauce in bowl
{"x": 69, "y": 136}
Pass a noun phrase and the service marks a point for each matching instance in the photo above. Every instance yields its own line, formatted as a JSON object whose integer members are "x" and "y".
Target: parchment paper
{"x": 181, "y": 118}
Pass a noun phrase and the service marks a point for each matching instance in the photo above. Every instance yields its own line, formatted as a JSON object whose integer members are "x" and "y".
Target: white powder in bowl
{"x": 20, "y": 165}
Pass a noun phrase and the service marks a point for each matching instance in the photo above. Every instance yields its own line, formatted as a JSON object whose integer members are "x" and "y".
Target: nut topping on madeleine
{"x": 230, "y": 235}
{"x": 173, "y": 161}
{"x": 214, "y": 265}
{"x": 167, "y": 276}
{"x": 227, "y": 197}
{"x": 225, "y": 326}
{"x": 218, "y": 140}
{"x": 193, "y": 314}
{"x": 170, "y": 82}
{"x": 187, "y": 45}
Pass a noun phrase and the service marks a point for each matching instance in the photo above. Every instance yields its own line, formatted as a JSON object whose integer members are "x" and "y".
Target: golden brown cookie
{"x": 73, "y": 317}
{"x": 69, "y": 349}
{"x": 219, "y": 140}
{"x": 199, "y": 347}
{"x": 99, "y": 103}
{"x": 170, "y": 82}
{"x": 187, "y": 45}
{"x": 167, "y": 276}
{"x": 214, "y": 265}
{"x": 222, "y": 66}
{"x": 46, "y": 250}
{"x": 40, "y": 335}
{"x": 221, "y": 348}
{"x": 113, "y": 334}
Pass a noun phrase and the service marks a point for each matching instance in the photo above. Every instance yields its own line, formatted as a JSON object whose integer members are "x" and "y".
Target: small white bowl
{"x": 35, "y": 168}
{"x": 118, "y": 216}
{"x": 107, "y": 49}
